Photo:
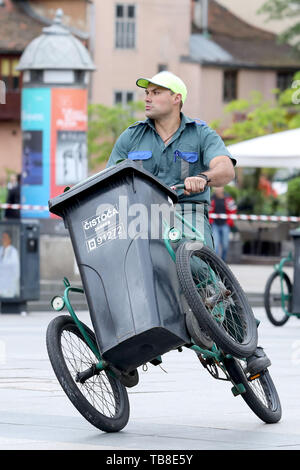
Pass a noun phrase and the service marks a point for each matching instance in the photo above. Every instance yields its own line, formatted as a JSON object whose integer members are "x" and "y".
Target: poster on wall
{"x": 32, "y": 169}
{"x": 71, "y": 157}
{"x": 36, "y": 114}
{"x": 68, "y": 138}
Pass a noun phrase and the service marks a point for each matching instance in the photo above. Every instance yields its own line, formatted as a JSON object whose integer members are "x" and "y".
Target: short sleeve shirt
{"x": 188, "y": 153}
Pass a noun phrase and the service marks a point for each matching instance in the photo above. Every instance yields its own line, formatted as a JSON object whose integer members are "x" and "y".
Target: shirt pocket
{"x": 187, "y": 156}
{"x": 140, "y": 155}
{"x": 143, "y": 158}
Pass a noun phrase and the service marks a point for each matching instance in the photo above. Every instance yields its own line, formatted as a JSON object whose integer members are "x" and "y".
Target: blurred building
{"x": 20, "y": 22}
{"x": 217, "y": 53}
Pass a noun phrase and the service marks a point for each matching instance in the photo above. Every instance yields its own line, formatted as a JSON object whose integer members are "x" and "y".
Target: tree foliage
{"x": 279, "y": 9}
{"x": 256, "y": 116}
{"x": 105, "y": 124}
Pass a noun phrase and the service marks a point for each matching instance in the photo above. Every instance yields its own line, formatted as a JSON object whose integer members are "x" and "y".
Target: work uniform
{"x": 188, "y": 153}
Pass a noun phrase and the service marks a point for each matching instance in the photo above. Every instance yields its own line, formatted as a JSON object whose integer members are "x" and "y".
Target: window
{"x": 123, "y": 97}
{"x": 285, "y": 80}
{"x": 230, "y": 85}
{"x": 8, "y": 73}
{"x": 125, "y": 26}
{"x": 162, "y": 67}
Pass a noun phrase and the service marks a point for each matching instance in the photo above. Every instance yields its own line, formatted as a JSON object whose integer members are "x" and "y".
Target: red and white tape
{"x": 264, "y": 218}
{"x": 25, "y": 207}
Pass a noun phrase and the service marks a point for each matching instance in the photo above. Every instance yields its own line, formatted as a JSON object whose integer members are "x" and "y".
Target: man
{"x": 9, "y": 267}
{"x": 177, "y": 149}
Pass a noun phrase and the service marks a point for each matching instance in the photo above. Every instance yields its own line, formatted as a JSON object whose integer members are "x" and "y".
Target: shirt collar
{"x": 184, "y": 120}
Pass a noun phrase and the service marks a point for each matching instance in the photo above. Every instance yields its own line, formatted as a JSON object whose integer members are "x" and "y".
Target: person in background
{"x": 9, "y": 267}
{"x": 14, "y": 197}
{"x": 222, "y": 203}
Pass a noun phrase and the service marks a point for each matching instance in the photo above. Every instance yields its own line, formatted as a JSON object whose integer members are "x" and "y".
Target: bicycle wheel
{"x": 276, "y": 296}
{"x": 216, "y": 299}
{"x": 101, "y": 399}
{"x": 261, "y": 395}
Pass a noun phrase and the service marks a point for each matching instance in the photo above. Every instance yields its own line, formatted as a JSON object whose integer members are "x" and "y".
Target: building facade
{"x": 211, "y": 47}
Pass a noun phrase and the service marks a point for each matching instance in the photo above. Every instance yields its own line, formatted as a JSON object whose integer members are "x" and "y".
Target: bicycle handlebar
{"x": 177, "y": 186}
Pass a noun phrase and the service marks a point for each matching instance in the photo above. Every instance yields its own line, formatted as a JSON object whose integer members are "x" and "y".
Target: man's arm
{"x": 220, "y": 173}
{"x": 120, "y": 151}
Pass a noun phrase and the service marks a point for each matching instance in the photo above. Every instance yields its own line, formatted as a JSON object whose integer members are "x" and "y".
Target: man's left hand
{"x": 194, "y": 184}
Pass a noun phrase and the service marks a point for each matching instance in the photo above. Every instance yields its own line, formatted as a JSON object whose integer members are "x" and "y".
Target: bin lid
{"x": 127, "y": 167}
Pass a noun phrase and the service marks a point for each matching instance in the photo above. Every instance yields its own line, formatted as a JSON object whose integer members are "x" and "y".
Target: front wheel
{"x": 100, "y": 398}
{"x": 216, "y": 299}
{"x": 260, "y": 393}
{"x": 278, "y": 298}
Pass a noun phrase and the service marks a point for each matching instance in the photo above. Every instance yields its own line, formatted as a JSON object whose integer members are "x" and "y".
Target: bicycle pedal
{"x": 253, "y": 377}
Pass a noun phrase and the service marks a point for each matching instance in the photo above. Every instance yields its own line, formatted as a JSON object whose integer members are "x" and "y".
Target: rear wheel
{"x": 278, "y": 298}
{"x": 99, "y": 397}
{"x": 216, "y": 299}
{"x": 260, "y": 393}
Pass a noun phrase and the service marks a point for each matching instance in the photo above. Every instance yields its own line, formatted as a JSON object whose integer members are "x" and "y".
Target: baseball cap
{"x": 166, "y": 80}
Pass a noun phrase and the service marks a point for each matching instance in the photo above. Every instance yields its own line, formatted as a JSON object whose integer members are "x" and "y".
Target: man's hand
{"x": 220, "y": 173}
{"x": 194, "y": 184}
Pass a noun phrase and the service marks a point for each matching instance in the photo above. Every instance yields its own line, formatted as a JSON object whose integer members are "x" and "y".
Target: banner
{"x": 35, "y": 149}
{"x": 68, "y": 138}
{"x": 54, "y": 126}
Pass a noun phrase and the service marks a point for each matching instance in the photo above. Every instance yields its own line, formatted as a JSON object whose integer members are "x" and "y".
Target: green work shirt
{"x": 188, "y": 153}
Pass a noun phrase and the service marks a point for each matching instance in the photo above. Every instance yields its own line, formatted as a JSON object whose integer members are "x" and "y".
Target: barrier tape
{"x": 264, "y": 218}
{"x": 25, "y": 207}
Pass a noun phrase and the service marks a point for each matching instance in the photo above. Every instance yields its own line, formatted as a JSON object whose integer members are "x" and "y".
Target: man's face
{"x": 159, "y": 102}
{"x": 5, "y": 239}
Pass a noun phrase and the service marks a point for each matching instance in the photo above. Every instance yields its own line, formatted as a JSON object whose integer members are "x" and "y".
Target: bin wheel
{"x": 101, "y": 399}
{"x": 259, "y": 392}
{"x": 216, "y": 299}
{"x": 274, "y": 294}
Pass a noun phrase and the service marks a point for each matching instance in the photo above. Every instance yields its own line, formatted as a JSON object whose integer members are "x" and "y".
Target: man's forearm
{"x": 221, "y": 172}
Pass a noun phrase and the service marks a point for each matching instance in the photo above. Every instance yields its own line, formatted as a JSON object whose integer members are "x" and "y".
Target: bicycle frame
{"x": 284, "y": 297}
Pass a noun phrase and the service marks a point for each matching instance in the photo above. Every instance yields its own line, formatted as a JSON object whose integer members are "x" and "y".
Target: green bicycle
{"x": 278, "y": 294}
{"x": 219, "y": 321}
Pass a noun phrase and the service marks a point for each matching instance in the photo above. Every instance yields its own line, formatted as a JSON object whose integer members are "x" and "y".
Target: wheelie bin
{"x": 128, "y": 276}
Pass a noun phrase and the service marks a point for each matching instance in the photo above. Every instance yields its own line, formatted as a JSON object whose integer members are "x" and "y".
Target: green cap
{"x": 166, "y": 80}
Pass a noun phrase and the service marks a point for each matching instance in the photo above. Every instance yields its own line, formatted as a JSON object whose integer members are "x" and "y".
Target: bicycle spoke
{"x": 97, "y": 389}
{"x": 259, "y": 388}
{"x": 219, "y": 300}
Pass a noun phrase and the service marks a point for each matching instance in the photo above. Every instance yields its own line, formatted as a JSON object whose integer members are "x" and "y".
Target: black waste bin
{"x": 296, "y": 283}
{"x": 19, "y": 264}
{"x": 128, "y": 276}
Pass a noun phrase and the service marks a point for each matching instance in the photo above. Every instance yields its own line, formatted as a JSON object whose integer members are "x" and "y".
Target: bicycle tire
{"x": 113, "y": 402}
{"x": 270, "y": 310}
{"x": 237, "y": 333}
{"x": 199, "y": 336}
{"x": 261, "y": 395}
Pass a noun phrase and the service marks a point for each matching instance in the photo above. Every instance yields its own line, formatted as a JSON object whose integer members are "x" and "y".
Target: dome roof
{"x": 56, "y": 49}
